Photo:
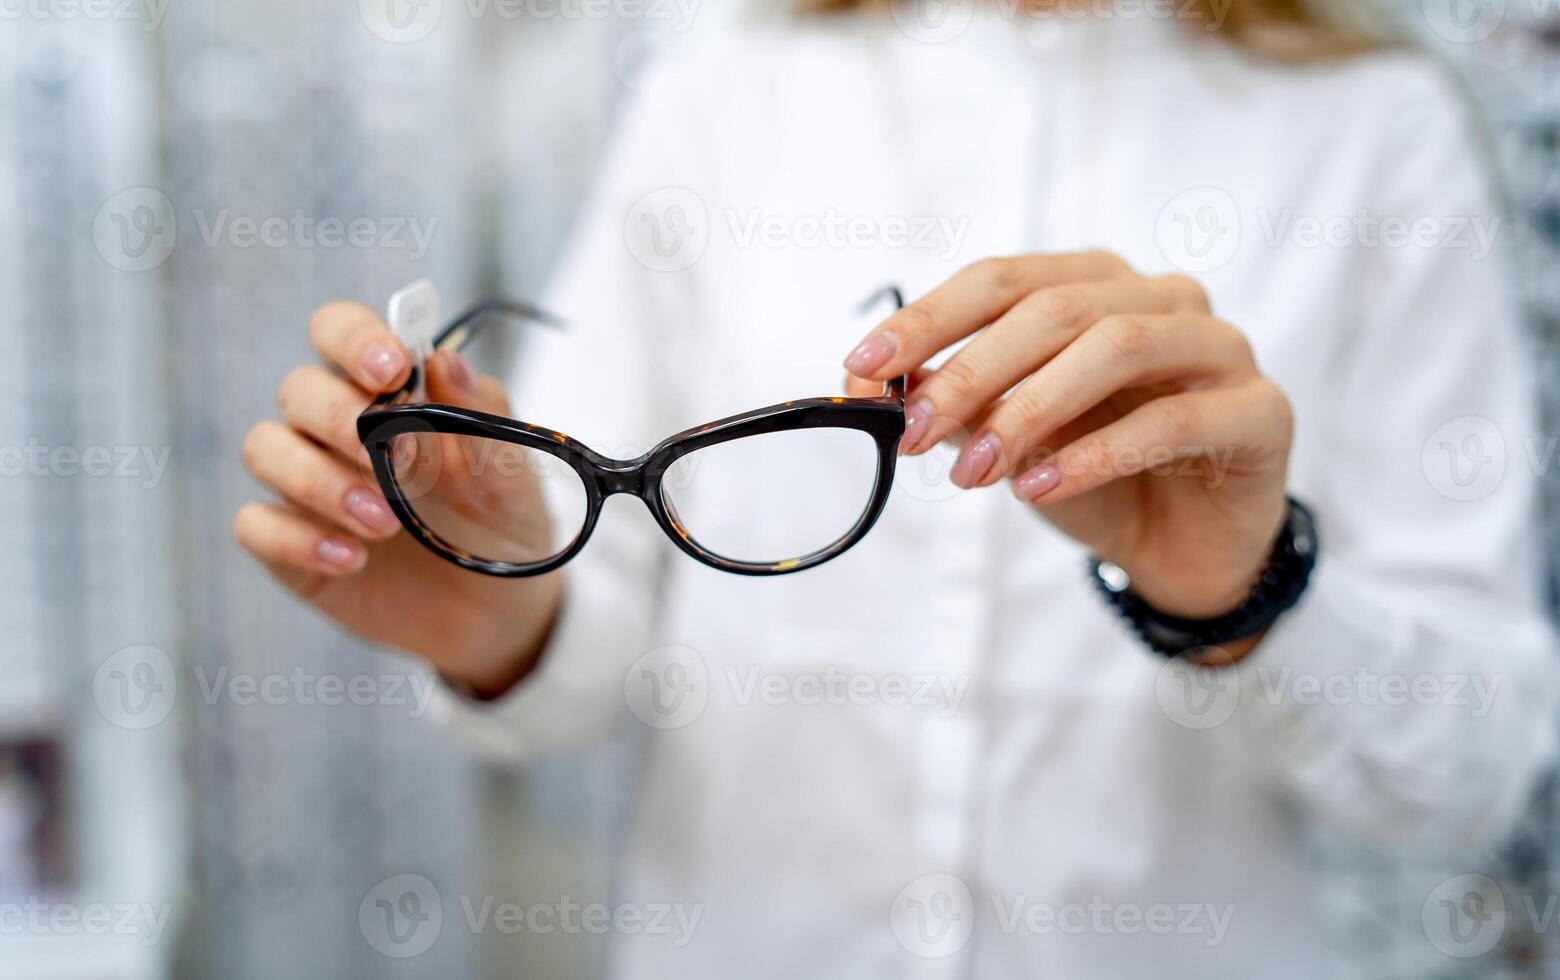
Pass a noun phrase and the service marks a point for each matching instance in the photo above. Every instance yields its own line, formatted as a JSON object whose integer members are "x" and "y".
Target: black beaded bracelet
{"x": 1282, "y": 583}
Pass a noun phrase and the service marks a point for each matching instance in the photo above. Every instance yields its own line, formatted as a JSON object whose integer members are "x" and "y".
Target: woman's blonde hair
{"x": 1284, "y": 29}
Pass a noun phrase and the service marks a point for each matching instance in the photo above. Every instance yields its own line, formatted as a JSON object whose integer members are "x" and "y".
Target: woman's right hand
{"x": 333, "y": 540}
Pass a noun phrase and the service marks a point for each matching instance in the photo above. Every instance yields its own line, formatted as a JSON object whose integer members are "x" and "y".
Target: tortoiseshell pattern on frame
{"x": 882, "y": 418}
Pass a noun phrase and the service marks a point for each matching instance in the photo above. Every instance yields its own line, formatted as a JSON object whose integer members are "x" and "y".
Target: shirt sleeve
{"x": 1411, "y": 697}
{"x": 603, "y": 380}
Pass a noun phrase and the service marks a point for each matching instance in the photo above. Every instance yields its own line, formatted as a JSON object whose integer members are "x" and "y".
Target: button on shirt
{"x": 940, "y": 755}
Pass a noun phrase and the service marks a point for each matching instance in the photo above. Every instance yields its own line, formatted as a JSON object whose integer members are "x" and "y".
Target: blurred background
{"x": 197, "y": 776}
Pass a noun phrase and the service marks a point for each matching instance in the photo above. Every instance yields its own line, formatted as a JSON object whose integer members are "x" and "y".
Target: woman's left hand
{"x": 1130, "y": 416}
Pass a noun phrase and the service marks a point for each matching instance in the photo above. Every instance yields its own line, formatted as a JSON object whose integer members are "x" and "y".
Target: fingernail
{"x": 371, "y": 510}
{"x": 340, "y": 554}
{"x": 918, "y": 419}
{"x": 383, "y": 361}
{"x": 976, "y": 461}
{"x": 871, "y": 354}
{"x": 461, "y": 374}
{"x": 1038, "y": 482}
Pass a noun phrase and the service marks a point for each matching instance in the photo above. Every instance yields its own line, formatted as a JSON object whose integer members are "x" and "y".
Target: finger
{"x": 860, "y": 388}
{"x": 302, "y": 582}
{"x": 1026, "y": 337}
{"x": 1214, "y": 425}
{"x": 295, "y": 546}
{"x": 1121, "y": 352}
{"x": 325, "y": 407}
{"x": 353, "y": 338}
{"x": 302, "y": 471}
{"x": 451, "y": 381}
{"x": 451, "y": 460}
{"x": 1097, "y": 417}
{"x": 968, "y": 301}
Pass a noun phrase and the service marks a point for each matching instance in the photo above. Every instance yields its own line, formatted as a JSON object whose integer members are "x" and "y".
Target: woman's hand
{"x": 1130, "y": 416}
{"x": 333, "y": 539}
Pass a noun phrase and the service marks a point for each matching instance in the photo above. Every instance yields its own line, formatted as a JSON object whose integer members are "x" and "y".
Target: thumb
{"x": 451, "y": 381}
{"x": 861, "y": 388}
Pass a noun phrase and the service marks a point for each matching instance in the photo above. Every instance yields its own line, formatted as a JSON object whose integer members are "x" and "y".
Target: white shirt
{"x": 1059, "y": 800}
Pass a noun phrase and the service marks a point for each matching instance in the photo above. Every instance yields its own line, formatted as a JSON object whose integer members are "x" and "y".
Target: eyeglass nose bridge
{"x": 623, "y": 476}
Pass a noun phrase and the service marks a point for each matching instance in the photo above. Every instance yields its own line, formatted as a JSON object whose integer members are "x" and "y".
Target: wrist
{"x": 1228, "y": 654}
{"x": 1227, "y": 635}
{"x": 1221, "y": 577}
{"x": 488, "y": 667}
{"x": 1202, "y": 596}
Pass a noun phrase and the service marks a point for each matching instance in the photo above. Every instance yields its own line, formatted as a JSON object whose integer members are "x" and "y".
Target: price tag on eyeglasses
{"x": 413, "y": 315}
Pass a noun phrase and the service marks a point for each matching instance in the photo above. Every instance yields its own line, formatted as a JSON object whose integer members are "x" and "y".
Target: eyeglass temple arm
{"x": 895, "y": 387}
{"x": 465, "y": 328}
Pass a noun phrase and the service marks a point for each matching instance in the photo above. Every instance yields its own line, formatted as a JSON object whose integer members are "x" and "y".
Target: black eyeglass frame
{"x": 882, "y": 418}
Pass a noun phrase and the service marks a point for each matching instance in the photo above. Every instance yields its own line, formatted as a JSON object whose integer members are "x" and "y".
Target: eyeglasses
{"x": 768, "y": 492}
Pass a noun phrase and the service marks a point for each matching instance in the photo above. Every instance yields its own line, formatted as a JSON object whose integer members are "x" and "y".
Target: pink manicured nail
{"x": 460, "y": 373}
{"x": 383, "y": 361}
{"x": 1038, "y": 482}
{"x": 338, "y": 553}
{"x": 918, "y": 420}
{"x": 871, "y": 354}
{"x": 977, "y": 460}
{"x": 370, "y": 509}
